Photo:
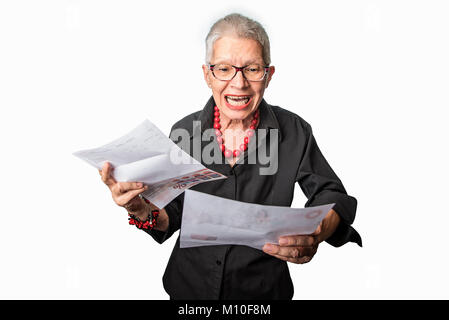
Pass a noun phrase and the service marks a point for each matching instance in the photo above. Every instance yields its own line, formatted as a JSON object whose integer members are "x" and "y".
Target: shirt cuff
{"x": 345, "y": 206}
{"x": 344, "y": 234}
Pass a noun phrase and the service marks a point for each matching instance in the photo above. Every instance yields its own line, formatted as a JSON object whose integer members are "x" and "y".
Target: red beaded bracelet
{"x": 150, "y": 222}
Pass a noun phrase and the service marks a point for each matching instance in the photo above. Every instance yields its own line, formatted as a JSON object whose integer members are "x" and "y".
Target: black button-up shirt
{"x": 241, "y": 272}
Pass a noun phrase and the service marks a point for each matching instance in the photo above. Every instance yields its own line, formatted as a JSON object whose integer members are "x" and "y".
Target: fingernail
{"x": 139, "y": 185}
{"x": 268, "y": 248}
{"x": 283, "y": 241}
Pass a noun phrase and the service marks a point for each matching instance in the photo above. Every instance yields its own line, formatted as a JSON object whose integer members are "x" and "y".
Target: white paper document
{"x": 211, "y": 220}
{"x": 146, "y": 155}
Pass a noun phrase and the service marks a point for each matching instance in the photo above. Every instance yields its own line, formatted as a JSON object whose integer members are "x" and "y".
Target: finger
{"x": 270, "y": 248}
{"x": 300, "y": 260}
{"x": 306, "y": 251}
{"x": 123, "y": 187}
{"x": 128, "y": 196}
{"x": 298, "y": 240}
{"x": 303, "y": 260}
{"x": 281, "y": 257}
{"x": 106, "y": 174}
{"x": 287, "y": 252}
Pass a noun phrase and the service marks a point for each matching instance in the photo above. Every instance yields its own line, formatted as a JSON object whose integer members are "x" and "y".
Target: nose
{"x": 239, "y": 80}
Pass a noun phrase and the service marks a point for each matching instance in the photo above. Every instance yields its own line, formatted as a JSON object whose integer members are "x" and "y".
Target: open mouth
{"x": 237, "y": 102}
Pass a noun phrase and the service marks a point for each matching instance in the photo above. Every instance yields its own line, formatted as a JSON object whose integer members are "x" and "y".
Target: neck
{"x": 233, "y": 124}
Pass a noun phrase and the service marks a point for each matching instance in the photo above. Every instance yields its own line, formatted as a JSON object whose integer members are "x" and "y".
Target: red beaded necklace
{"x": 228, "y": 153}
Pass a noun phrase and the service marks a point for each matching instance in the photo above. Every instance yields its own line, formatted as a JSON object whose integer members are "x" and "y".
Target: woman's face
{"x": 238, "y": 52}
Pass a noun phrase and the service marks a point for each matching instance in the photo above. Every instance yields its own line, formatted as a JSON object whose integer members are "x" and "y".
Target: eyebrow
{"x": 225, "y": 61}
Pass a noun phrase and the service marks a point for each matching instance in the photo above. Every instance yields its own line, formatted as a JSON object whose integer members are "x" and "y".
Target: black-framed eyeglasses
{"x": 226, "y": 72}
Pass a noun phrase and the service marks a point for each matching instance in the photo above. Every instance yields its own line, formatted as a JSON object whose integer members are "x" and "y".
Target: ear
{"x": 270, "y": 74}
{"x": 207, "y": 75}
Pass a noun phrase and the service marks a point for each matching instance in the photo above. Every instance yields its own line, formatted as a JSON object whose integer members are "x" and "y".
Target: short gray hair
{"x": 241, "y": 26}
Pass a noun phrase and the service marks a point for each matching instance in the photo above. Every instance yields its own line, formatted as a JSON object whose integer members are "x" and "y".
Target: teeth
{"x": 237, "y": 101}
{"x": 238, "y": 98}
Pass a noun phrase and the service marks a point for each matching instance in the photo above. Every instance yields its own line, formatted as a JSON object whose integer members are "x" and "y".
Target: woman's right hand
{"x": 125, "y": 194}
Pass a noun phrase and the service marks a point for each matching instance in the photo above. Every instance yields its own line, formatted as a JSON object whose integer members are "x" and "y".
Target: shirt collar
{"x": 268, "y": 119}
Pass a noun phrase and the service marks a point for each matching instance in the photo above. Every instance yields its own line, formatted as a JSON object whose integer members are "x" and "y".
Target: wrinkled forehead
{"x": 237, "y": 51}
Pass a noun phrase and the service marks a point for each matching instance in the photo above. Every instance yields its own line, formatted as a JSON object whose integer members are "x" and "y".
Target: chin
{"x": 237, "y": 114}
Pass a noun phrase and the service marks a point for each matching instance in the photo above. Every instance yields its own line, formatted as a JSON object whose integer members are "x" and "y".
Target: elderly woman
{"x": 238, "y": 71}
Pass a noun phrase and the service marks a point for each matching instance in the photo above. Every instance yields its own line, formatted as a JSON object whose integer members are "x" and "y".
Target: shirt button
{"x": 218, "y": 262}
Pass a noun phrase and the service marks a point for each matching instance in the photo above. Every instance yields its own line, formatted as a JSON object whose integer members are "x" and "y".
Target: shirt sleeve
{"x": 321, "y": 186}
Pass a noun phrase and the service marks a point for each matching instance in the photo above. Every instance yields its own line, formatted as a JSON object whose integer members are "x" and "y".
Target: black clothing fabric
{"x": 241, "y": 272}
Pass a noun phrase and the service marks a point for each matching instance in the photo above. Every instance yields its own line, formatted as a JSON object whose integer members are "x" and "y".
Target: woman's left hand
{"x": 297, "y": 249}
{"x": 301, "y": 248}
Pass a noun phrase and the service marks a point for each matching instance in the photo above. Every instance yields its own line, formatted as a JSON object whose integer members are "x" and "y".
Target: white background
{"x": 370, "y": 76}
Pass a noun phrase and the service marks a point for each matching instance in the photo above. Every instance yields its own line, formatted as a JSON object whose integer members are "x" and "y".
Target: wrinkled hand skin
{"x": 301, "y": 249}
{"x": 125, "y": 194}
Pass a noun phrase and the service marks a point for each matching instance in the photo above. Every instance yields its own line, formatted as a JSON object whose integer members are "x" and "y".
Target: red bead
{"x": 228, "y": 153}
